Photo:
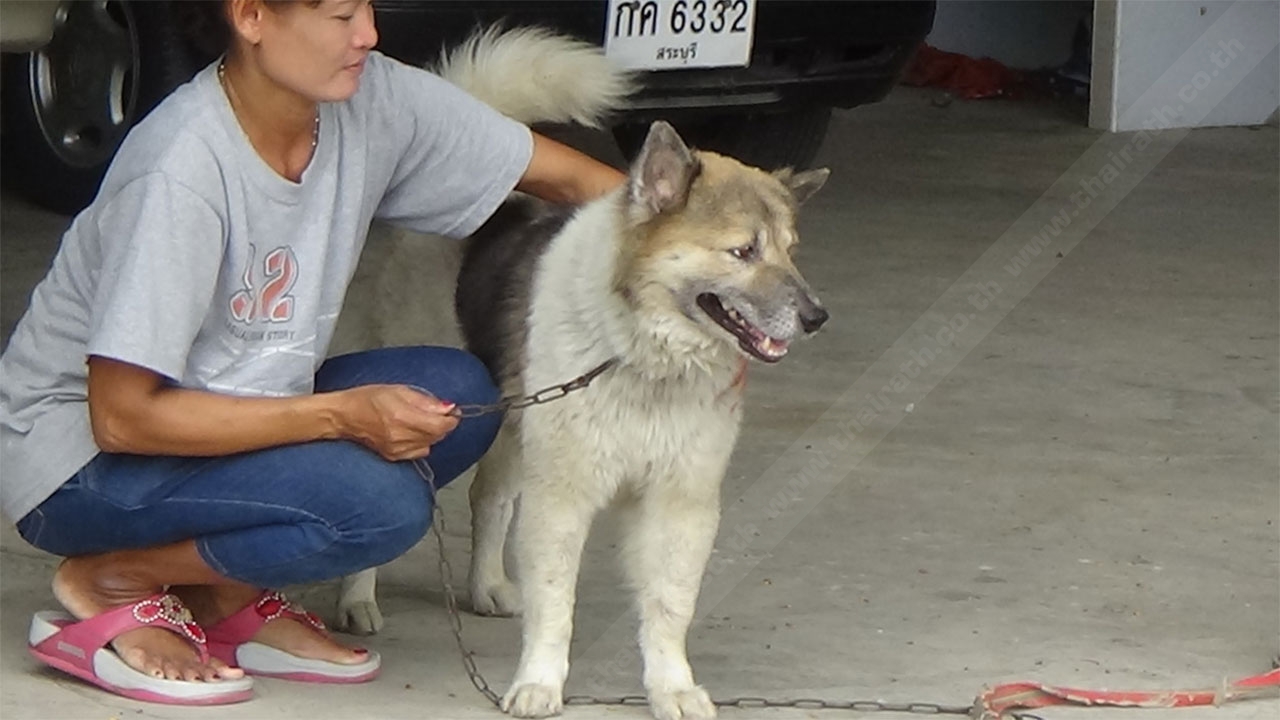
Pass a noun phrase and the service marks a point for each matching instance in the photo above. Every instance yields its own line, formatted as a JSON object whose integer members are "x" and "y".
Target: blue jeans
{"x": 290, "y": 514}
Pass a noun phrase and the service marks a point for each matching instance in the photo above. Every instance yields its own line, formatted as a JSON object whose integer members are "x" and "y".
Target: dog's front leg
{"x": 668, "y": 537}
{"x": 551, "y": 528}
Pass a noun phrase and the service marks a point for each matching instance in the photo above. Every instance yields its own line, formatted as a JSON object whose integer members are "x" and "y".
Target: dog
{"x": 677, "y": 279}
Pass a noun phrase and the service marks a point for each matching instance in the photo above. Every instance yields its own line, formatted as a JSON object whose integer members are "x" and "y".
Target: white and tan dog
{"x": 680, "y": 277}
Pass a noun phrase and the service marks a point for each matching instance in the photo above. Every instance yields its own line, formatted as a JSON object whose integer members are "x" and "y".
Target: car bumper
{"x": 804, "y": 52}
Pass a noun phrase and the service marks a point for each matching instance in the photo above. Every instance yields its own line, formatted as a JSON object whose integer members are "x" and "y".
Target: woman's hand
{"x": 395, "y": 421}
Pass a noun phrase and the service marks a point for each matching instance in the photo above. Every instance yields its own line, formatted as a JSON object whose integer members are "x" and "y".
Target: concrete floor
{"x": 1089, "y": 498}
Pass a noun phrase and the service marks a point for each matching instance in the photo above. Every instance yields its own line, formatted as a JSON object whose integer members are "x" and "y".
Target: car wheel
{"x": 769, "y": 140}
{"x": 69, "y": 105}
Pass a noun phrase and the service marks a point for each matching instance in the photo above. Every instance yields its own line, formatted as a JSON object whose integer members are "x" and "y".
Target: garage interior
{"x": 1013, "y": 454}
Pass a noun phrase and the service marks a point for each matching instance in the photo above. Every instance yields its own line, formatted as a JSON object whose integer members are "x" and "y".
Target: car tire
{"x": 69, "y": 105}
{"x": 769, "y": 140}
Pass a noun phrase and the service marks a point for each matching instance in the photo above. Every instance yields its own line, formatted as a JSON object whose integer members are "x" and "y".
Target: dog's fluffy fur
{"x": 536, "y": 75}
{"x": 681, "y": 275}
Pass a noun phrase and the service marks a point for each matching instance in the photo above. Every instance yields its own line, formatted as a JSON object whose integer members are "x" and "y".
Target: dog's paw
{"x": 361, "y": 617}
{"x": 691, "y": 704}
{"x": 531, "y": 700}
{"x": 501, "y": 599}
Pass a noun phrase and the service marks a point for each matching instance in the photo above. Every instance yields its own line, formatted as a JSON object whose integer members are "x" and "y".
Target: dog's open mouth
{"x": 750, "y": 338}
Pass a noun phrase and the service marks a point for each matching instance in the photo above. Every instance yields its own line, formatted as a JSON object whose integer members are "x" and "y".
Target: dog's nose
{"x": 814, "y": 318}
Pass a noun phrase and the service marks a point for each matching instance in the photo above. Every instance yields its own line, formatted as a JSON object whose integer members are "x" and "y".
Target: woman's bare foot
{"x": 211, "y": 603}
{"x": 87, "y": 587}
{"x": 302, "y": 640}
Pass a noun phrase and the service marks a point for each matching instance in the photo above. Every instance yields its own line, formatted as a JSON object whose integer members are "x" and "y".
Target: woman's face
{"x": 316, "y": 49}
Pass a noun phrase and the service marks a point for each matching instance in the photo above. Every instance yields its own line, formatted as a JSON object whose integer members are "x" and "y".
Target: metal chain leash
{"x": 555, "y": 392}
{"x": 482, "y": 685}
{"x": 450, "y": 597}
{"x": 511, "y": 402}
{"x": 859, "y": 706}
{"x": 545, "y": 395}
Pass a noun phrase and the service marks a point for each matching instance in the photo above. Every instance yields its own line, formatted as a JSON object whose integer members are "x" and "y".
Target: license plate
{"x": 675, "y": 34}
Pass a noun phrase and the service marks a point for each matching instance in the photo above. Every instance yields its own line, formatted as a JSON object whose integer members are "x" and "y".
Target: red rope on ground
{"x": 1001, "y": 700}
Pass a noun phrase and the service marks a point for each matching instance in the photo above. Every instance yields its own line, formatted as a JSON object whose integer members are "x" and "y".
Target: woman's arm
{"x": 134, "y": 410}
{"x": 558, "y": 173}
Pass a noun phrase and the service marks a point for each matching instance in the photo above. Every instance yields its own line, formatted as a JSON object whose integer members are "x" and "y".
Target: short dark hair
{"x": 204, "y": 26}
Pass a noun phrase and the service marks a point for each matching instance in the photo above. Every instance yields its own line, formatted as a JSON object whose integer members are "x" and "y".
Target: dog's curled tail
{"x": 534, "y": 75}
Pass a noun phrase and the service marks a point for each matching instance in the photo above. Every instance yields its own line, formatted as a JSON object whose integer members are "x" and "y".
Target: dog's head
{"x": 712, "y": 240}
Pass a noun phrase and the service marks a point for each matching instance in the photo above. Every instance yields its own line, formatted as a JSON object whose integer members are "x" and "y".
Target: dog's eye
{"x": 745, "y": 252}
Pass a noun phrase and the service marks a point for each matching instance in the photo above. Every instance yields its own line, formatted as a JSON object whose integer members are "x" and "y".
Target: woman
{"x": 168, "y": 422}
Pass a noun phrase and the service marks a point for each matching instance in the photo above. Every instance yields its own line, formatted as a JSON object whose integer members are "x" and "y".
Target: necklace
{"x": 226, "y": 87}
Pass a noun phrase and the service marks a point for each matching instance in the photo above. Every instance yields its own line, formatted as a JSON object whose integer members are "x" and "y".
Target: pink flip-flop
{"x": 80, "y": 648}
{"x": 231, "y": 641}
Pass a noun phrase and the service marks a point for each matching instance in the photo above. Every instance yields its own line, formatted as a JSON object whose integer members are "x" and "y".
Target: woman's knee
{"x": 349, "y": 495}
{"x": 358, "y": 511}
{"x": 459, "y": 377}
{"x": 384, "y": 511}
{"x": 468, "y": 383}
{"x": 448, "y": 373}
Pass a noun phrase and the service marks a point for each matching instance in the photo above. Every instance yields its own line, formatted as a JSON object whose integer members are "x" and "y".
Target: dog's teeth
{"x": 771, "y": 347}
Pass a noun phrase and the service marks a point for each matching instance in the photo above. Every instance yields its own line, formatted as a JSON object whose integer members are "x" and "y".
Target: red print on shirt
{"x": 267, "y": 295}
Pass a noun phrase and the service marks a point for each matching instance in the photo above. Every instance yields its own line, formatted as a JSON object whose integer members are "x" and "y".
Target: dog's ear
{"x": 803, "y": 184}
{"x": 663, "y": 171}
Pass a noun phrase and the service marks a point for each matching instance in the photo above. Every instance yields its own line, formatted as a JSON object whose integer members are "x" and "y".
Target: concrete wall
{"x": 1139, "y": 42}
{"x": 1024, "y": 34}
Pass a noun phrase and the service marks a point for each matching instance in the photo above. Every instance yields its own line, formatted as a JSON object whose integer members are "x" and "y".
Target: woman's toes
{"x": 218, "y": 670}
{"x": 157, "y": 669}
{"x": 293, "y": 637}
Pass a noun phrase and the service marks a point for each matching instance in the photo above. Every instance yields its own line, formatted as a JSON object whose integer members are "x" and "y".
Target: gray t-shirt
{"x": 201, "y": 263}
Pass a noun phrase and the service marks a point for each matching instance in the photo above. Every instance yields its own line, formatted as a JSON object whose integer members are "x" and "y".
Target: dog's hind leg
{"x": 358, "y": 612}
{"x": 667, "y": 538}
{"x": 493, "y": 494}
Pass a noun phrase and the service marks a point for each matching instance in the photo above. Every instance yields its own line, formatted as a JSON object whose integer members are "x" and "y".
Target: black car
{"x": 68, "y": 104}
